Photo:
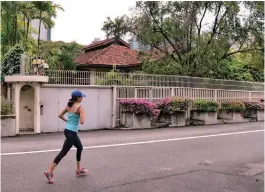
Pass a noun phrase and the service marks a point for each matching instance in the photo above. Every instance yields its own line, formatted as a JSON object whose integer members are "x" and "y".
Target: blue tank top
{"x": 72, "y": 121}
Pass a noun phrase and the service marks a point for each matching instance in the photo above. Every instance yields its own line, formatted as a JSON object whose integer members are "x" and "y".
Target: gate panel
{"x": 49, "y": 109}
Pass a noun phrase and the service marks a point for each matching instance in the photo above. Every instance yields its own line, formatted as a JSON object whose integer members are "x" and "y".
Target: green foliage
{"x": 179, "y": 104}
{"x": 16, "y": 17}
{"x": 188, "y": 46}
{"x": 6, "y": 106}
{"x": 112, "y": 78}
{"x": 11, "y": 62}
{"x": 60, "y": 55}
{"x": 172, "y": 105}
{"x": 233, "y": 106}
{"x": 206, "y": 105}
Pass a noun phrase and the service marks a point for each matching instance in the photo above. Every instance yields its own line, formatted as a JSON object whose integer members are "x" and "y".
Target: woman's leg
{"x": 79, "y": 150}
{"x": 79, "y": 147}
{"x": 68, "y": 143}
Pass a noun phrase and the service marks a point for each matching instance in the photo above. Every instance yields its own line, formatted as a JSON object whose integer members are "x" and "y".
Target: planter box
{"x": 207, "y": 117}
{"x": 164, "y": 119}
{"x": 236, "y": 117}
{"x": 8, "y": 125}
{"x": 254, "y": 113}
{"x": 178, "y": 119}
{"x": 130, "y": 120}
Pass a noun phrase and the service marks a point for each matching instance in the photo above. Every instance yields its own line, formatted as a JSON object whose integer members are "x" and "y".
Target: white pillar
{"x": 22, "y": 64}
{"x": 37, "y": 108}
{"x": 17, "y": 88}
{"x": 114, "y": 105}
{"x": 9, "y": 92}
{"x": 92, "y": 77}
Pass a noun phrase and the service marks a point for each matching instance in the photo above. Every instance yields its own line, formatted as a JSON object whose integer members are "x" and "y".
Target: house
{"x": 106, "y": 54}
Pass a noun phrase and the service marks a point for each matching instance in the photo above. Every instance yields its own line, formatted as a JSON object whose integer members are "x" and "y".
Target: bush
{"x": 233, "y": 106}
{"x": 139, "y": 107}
{"x": 206, "y": 105}
{"x": 11, "y": 62}
{"x": 6, "y": 106}
{"x": 254, "y": 105}
{"x": 172, "y": 105}
{"x": 112, "y": 78}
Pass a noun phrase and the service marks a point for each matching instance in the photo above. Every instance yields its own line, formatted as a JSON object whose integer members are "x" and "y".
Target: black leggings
{"x": 71, "y": 139}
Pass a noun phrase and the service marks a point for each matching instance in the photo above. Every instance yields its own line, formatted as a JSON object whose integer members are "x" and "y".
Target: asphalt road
{"x": 218, "y": 158}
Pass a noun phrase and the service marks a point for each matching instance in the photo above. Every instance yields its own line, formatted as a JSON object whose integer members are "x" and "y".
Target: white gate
{"x": 97, "y": 105}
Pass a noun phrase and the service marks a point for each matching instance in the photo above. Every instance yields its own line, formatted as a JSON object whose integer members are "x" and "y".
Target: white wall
{"x": 97, "y": 105}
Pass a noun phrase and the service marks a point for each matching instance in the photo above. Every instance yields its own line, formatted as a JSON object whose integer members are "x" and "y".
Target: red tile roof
{"x": 106, "y": 42}
{"x": 114, "y": 52}
{"x": 111, "y": 55}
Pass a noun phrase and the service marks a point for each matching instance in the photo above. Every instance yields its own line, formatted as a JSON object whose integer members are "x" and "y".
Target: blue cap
{"x": 78, "y": 93}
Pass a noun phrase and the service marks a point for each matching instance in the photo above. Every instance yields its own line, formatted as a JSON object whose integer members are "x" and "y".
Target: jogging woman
{"x": 75, "y": 115}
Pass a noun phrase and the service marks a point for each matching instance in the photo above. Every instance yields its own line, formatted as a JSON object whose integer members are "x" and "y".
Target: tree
{"x": 60, "y": 55}
{"x": 11, "y": 62}
{"x": 47, "y": 11}
{"x": 16, "y": 23}
{"x": 190, "y": 47}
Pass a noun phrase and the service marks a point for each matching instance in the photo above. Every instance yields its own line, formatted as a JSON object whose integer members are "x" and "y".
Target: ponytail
{"x": 71, "y": 101}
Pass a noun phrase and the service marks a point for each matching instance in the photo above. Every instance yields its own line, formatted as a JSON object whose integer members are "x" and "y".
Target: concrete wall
{"x": 8, "y": 125}
{"x": 97, "y": 105}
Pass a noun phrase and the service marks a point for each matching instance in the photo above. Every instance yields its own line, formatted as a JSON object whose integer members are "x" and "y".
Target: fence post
{"x": 215, "y": 95}
{"x": 172, "y": 92}
{"x": 9, "y": 87}
{"x": 92, "y": 77}
{"x": 249, "y": 95}
{"x": 114, "y": 105}
{"x": 150, "y": 94}
{"x": 22, "y": 64}
{"x": 135, "y": 92}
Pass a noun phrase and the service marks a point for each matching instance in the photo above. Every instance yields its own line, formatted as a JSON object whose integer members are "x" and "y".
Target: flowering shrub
{"x": 171, "y": 105}
{"x": 6, "y": 106}
{"x": 139, "y": 107}
{"x": 165, "y": 106}
{"x": 254, "y": 105}
{"x": 206, "y": 105}
{"x": 233, "y": 106}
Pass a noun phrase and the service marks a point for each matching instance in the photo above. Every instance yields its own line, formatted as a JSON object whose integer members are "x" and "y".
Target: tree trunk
{"x": 24, "y": 22}
{"x": 27, "y": 32}
{"x": 7, "y": 28}
{"x": 38, "y": 52}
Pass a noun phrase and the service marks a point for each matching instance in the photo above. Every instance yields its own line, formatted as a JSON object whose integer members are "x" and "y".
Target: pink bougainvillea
{"x": 254, "y": 105}
{"x": 171, "y": 105}
{"x": 139, "y": 107}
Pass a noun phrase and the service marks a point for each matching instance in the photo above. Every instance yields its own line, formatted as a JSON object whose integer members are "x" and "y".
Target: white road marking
{"x": 135, "y": 143}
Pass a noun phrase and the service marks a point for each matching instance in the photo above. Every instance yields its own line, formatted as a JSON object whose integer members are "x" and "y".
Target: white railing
{"x": 157, "y": 93}
{"x": 64, "y": 77}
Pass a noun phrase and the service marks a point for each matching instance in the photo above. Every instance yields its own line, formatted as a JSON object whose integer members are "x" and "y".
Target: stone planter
{"x": 254, "y": 113}
{"x": 235, "y": 117}
{"x": 164, "y": 119}
{"x": 131, "y": 120}
{"x": 8, "y": 125}
{"x": 207, "y": 117}
{"x": 178, "y": 119}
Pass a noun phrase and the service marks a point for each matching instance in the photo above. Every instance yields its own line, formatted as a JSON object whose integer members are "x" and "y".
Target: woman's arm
{"x": 82, "y": 115}
{"x": 61, "y": 115}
